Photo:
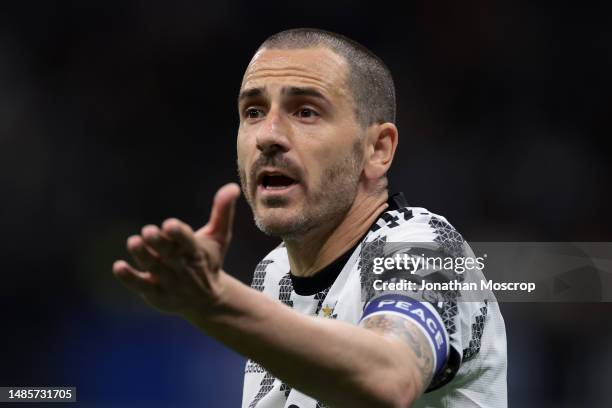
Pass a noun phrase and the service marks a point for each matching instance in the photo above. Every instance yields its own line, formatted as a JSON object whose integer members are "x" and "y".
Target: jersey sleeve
{"x": 418, "y": 285}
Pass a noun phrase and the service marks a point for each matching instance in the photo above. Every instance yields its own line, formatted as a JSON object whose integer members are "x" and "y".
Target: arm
{"x": 386, "y": 362}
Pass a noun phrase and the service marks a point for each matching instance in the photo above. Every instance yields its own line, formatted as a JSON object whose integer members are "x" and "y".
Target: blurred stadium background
{"x": 118, "y": 114}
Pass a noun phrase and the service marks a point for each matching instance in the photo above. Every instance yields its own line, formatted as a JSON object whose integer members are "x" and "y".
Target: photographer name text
{"x": 404, "y": 284}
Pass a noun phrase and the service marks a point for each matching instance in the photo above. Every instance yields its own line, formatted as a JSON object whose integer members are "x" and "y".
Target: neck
{"x": 320, "y": 246}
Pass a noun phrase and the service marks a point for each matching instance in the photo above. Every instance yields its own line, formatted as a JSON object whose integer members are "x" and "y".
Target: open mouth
{"x": 276, "y": 181}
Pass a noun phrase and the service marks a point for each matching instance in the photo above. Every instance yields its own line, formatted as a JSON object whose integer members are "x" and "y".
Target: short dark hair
{"x": 369, "y": 79}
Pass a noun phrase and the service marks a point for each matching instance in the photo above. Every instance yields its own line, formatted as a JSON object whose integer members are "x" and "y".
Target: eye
{"x": 307, "y": 113}
{"x": 253, "y": 113}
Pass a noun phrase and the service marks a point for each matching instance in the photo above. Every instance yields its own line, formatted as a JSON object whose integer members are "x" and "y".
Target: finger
{"x": 182, "y": 237}
{"x": 219, "y": 226}
{"x": 133, "y": 279}
{"x": 147, "y": 260}
{"x": 157, "y": 240}
{"x": 165, "y": 247}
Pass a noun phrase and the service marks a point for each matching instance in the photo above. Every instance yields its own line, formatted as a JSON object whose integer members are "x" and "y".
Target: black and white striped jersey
{"x": 468, "y": 338}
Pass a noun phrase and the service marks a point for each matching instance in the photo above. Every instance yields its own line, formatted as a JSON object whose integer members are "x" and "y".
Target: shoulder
{"x": 417, "y": 224}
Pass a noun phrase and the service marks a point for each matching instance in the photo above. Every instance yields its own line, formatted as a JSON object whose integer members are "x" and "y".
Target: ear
{"x": 381, "y": 142}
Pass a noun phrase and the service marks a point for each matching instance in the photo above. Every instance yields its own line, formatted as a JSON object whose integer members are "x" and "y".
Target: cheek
{"x": 323, "y": 158}
{"x": 242, "y": 150}
{"x": 315, "y": 151}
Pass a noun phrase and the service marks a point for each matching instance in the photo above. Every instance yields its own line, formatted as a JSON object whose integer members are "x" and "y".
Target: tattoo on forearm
{"x": 394, "y": 325}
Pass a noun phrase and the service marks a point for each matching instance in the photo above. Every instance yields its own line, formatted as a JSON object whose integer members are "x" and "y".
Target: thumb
{"x": 219, "y": 226}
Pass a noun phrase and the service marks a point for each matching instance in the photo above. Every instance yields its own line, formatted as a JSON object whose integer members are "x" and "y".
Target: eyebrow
{"x": 303, "y": 91}
{"x": 287, "y": 90}
{"x": 251, "y": 93}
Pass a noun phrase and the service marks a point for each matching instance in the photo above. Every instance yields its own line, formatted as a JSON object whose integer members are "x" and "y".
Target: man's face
{"x": 299, "y": 143}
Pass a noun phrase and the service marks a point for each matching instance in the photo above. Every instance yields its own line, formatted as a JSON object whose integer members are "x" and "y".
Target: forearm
{"x": 331, "y": 360}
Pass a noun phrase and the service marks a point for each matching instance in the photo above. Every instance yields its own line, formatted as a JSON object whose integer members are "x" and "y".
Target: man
{"x": 315, "y": 142}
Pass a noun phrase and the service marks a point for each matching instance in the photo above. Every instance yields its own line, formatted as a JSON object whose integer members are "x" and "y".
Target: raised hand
{"x": 177, "y": 269}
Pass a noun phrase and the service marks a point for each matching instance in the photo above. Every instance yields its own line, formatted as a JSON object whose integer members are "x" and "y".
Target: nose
{"x": 273, "y": 135}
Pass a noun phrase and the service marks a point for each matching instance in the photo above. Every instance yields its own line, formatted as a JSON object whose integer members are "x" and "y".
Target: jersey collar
{"x": 310, "y": 285}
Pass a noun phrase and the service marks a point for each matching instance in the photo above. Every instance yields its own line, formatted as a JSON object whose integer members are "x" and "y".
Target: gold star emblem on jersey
{"x": 327, "y": 311}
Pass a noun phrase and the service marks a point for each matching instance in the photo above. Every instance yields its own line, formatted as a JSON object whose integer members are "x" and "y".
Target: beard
{"x": 326, "y": 203}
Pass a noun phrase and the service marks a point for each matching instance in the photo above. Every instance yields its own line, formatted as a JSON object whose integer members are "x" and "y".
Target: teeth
{"x": 276, "y": 187}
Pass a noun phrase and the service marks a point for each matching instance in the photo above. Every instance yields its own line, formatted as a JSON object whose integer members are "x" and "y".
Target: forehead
{"x": 318, "y": 67}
